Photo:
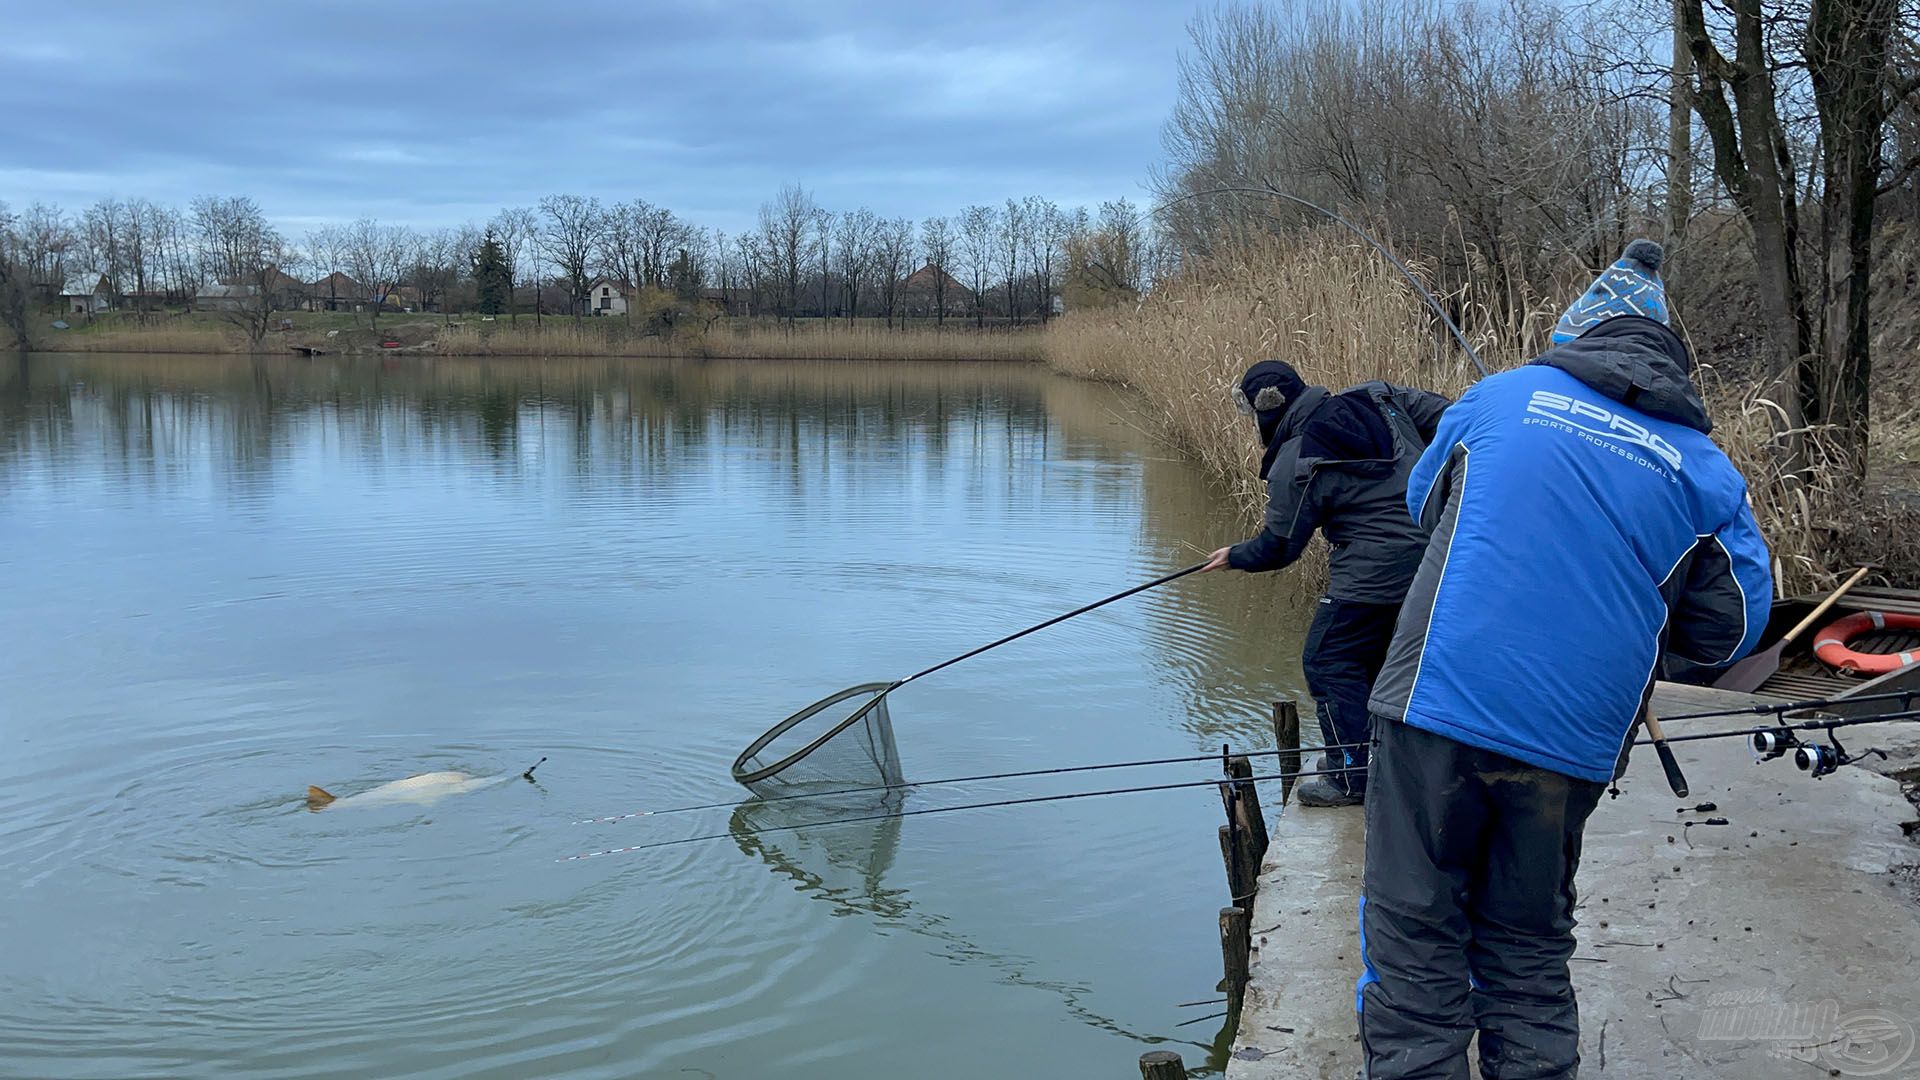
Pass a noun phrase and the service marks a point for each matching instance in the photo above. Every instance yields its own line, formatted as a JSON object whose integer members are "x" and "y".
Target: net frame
{"x": 884, "y": 754}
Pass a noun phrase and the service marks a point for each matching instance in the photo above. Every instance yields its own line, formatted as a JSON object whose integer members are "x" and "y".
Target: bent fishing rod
{"x": 1017, "y": 635}
{"x": 1405, "y": 271}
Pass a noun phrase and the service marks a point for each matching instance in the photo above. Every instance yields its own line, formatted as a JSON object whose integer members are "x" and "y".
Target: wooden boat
{"x": 1802, "y": 677}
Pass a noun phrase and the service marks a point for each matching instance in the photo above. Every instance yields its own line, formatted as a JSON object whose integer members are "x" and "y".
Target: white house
{"x": 80, "y": 298}
{"x": 606, "y": 298}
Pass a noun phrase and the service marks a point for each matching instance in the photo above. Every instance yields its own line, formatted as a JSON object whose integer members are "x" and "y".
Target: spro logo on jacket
{"x": 1601, "y": 422}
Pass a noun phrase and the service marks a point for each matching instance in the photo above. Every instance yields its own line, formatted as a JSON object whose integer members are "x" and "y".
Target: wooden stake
{"x": 1246, "y": 808}
{"x": 1236, "y": 951}
{"x": 1162, "y": 1065}
{"x": 1286, "y": 738}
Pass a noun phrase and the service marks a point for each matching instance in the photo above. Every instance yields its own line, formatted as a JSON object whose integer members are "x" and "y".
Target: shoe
{"x": 1320, "y": 791}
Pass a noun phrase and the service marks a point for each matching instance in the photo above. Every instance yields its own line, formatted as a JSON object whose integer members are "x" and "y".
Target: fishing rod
{"x": 1816, "y": 760}
{"x": 1406, "y": 272}
{"x": 1905, "y": 697}
{"x": 1803, "y": 725}
{"x": 1819, "y": 761}
{"x": 876, "y": 789}
{"x": 889, "y": 815}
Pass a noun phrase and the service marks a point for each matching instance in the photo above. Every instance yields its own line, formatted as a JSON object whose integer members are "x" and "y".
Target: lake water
{"x": 226, "y": 579}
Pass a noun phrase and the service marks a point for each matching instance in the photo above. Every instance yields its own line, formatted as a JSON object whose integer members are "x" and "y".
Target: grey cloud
{"x": 437, "y": 113}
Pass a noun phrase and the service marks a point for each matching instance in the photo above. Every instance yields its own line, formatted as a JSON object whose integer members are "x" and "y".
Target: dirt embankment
{"x": 416, "y": 337}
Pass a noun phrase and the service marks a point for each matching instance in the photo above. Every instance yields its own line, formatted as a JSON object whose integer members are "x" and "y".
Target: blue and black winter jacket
{"x": 1583, "y": 524}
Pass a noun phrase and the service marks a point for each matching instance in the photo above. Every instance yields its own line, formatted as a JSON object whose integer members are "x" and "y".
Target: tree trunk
{"x": 1847, "y": 53}
{"x": 1679, "y": 141}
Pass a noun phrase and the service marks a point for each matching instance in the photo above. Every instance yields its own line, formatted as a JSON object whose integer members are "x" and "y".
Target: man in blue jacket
{"x": 1338, "y": 463}
{"x": 1583, "y": 526}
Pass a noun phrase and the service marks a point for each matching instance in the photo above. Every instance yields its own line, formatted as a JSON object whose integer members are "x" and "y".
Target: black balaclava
{"x": 1269, "y": 388}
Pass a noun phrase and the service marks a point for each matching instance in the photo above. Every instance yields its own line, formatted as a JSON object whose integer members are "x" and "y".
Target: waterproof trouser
{"x": 1466, "y": 922}
{"x": 1346, "y": 645}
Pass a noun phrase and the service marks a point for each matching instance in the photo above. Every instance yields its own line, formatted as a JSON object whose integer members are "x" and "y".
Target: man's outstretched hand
{"x": 1218, "y": 561}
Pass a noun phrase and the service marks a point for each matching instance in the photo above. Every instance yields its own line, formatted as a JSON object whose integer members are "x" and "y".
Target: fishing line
{"x": 1357, "y": 231}
{"x": 889, "y": 815}
{"x": 879, "y": 788}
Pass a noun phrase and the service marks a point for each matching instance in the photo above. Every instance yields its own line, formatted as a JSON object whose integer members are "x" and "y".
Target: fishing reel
{"x": 1823, "y": 761}
{"x": 1772, "y": 745}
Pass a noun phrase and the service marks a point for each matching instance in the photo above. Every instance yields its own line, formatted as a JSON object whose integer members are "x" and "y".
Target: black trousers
{"x": 1346, "y": 646}
{"x": 1466, "y": 923}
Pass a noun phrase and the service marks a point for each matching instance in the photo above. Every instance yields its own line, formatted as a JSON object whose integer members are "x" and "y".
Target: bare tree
{"x": 660, "y": 235}
{"x": 104, "y": 232}
{"x": 786, "y": 232}
{"x": 14, "y": 293}
{"x": 976, "y": 249}
{"x": 1010, "y": 234}
{"x": 327, "y": 254}
{"x": 253, "y": 253}
{"x": 937, "y": 243}
{"x": 377, "y": 255}
{"x": 893, "y": 258}
{"x": 822, "y": 239}
{"x": 1045, "y": 229}
{"x": 622, "y": 251}
{"x": 437, "y": 259}
{"x": 229, "y": 230}
{"x": 574, "y": 227}
{"x": 1816, "y": 317}
{"x": 853, "y": 246}
{"x": 518, "y": 230}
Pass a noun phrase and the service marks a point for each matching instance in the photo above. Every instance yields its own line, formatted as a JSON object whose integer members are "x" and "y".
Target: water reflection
{"x": 232, "y": 577}
{"x": 831, "y": 851}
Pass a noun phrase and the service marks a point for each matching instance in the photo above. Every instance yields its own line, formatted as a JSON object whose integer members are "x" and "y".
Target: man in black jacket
{"x": 1339, "y": 463}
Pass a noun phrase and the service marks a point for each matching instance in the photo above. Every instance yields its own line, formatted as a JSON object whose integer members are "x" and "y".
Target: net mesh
{"x": 845, "y": 740}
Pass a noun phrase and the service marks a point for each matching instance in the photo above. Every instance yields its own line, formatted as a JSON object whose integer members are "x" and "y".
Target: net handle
{"x": 1155, "y": 583}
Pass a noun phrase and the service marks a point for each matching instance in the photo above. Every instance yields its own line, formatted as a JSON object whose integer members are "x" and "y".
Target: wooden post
{"x": 1162, "y": 1065}
{"x": 1246, "y": 806}
{"x": 1236, "y": 950}
{"x": 1243, "y": 870}
{"x": 1286, "y": 737}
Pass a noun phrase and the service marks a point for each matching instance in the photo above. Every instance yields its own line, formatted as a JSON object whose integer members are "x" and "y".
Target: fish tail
{"x": 317, "y": 797}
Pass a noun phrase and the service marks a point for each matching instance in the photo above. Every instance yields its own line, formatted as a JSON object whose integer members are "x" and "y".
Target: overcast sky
{"x": 439, "y": 113}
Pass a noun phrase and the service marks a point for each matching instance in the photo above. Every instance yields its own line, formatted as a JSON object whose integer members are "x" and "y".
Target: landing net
{"x": 844, "y": 738}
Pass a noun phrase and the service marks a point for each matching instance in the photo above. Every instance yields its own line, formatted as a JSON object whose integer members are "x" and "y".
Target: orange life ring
{"x": 1830, "y": 645}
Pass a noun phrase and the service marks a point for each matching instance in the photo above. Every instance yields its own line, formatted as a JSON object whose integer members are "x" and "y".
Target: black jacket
{"x": 1361, "y": 505}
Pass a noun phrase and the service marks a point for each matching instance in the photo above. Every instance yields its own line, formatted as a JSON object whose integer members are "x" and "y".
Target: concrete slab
{"x": 1779, "y": 946}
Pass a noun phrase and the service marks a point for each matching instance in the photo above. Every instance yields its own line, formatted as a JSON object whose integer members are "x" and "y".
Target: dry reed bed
{"x": 1342, "y": 316}
{"x": 160, "y": 338}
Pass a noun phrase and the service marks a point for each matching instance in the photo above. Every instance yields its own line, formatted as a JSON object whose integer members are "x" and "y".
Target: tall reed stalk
{"x": 1341, "y": 315}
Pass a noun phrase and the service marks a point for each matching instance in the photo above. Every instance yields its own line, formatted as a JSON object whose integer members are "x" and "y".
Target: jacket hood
{"x": 1637, "y": 362}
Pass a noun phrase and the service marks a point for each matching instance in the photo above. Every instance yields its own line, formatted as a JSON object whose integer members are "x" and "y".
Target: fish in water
{"x": 422, "y": 789}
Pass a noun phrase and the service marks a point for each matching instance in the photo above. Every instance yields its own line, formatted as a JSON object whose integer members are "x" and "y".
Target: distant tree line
{"x": 1012, "y": 263}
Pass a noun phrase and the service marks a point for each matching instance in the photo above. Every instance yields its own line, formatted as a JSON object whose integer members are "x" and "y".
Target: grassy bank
{"x": 601, "y": 337}
{"x": 1342, "y": 315}
{"x": 740, "y": 339}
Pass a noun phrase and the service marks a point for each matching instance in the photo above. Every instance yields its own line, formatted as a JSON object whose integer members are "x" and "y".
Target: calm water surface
{"x": 227, "y": 579}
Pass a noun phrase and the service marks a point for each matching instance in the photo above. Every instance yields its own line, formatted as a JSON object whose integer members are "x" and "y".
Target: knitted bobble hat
{"x": 1631, "y": 286}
